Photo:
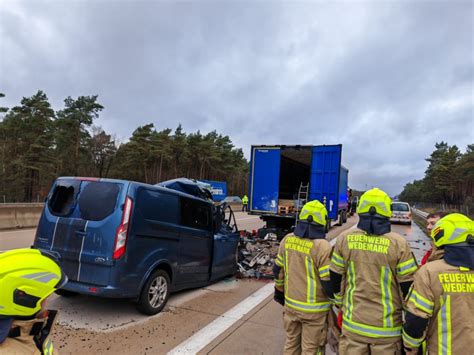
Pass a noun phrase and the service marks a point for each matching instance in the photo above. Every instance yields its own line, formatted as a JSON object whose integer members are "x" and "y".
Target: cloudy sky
{"x": 386, "y": 79}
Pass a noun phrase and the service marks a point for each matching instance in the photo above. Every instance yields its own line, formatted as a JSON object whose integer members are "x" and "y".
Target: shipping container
{"x": 282, "y": 177}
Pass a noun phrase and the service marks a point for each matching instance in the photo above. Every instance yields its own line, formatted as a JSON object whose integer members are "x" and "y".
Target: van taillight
{"x": 122, "y": 230}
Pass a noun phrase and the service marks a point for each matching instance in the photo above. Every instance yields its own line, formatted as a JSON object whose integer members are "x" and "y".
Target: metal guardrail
{"x": 420, "y": 213}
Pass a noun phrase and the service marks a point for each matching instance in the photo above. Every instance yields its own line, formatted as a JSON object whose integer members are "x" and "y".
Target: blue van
{"x": 125, "y": 239}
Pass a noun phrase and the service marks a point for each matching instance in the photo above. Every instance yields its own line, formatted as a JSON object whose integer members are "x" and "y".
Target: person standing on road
{"x": 440, "y": 306}
{"x": 371, "y": 267}
{"x": 434, "y": 253}
{"x": 245, "y": 203}
{"x": 27, "y": 279}
{"x": 302, "y": 282}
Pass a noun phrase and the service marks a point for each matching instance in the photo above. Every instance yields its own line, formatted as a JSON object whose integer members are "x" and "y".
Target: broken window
{"x": 195, "y": 214}
{"x": 62, "y": 199}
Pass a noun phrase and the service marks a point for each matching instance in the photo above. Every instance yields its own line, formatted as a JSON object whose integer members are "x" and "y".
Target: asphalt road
{"x": 224, "y": 318}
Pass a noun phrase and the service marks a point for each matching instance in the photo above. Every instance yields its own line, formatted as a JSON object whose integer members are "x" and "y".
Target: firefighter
{"x": 434, "y": 253}
{"x": 27, "y": 278}
{"x": 302, "y": 282}
{"x": 245, "y": 203}
{"x": 440, "y": 306}
{"x": 371, "y": 267}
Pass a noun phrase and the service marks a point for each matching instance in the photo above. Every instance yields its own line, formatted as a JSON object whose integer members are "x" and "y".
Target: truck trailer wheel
{"x": 344, "y": 217}
{"x": 328, "y": 226}
{"x": 155, "y": 293}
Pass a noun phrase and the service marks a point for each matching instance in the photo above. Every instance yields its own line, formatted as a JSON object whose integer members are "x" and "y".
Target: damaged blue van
{"x": 124, "y": 239}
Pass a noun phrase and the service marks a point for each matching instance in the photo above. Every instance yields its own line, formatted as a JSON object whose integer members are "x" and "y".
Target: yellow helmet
{"x": 315, "y": 212}
{"x": 27, "y": 277}
{"x": 378, "y": 199}
{"x": 452, "y": 229}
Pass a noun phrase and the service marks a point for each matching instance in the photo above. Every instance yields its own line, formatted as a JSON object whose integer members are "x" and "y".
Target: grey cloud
{"x": 385, "y": 79}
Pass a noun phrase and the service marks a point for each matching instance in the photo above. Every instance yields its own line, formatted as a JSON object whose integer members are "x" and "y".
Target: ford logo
{"x": 100, "y": 260}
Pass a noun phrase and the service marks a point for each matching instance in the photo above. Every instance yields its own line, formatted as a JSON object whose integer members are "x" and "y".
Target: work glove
{"x": 279, "y": 297}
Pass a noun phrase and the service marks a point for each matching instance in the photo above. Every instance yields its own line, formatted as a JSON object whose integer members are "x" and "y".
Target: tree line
{"x": 38, "y": 144}
{"x": 448, "y": 180}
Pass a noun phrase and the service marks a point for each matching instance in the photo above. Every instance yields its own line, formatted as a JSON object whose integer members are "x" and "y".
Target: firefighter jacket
{"x": 304, "y": 263}
{"x": 29, "y": 336}
{"x": 444, "y": 294}
{"x": 373, "y": 266}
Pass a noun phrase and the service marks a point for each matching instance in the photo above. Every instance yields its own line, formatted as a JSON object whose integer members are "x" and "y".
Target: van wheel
{"x": 155, "y": 293}
{"x": 66, "y": 293}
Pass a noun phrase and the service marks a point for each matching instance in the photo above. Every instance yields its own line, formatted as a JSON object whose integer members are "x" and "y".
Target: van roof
{"x": 133, "y": 183}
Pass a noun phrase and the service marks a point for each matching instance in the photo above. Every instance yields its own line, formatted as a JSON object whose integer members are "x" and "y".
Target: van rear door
{"x": 85, "y": 214}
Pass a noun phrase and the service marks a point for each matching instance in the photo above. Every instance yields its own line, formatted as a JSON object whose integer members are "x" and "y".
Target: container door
{"x": 264, "y": 179}
{"x": 325, "y": 170}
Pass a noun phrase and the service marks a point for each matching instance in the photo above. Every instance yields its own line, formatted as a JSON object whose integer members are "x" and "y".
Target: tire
{"x": 155, "y": 293}
{"x": 344, "y": 217}
{"x": 328, "y": 226}
{"x": 66, "y": 293}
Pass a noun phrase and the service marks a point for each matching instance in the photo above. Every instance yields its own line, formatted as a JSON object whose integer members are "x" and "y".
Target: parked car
{"x": 401, "y": 213}
{"x": 124, "y": 239}
{"x": 232, "y": 199}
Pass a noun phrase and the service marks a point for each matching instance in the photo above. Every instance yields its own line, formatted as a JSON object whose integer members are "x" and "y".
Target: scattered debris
{"x": 256, "y": 255}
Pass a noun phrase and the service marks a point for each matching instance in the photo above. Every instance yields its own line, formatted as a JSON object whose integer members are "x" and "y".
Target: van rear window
{"x": 62, "y": 199}
{"x": 98, "y": 200}
{"x": 400, "y": 207}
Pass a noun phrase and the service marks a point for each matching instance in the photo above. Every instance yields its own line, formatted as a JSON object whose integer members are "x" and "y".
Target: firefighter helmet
{"x": 375, "y": 201}
{"x": 314, "y": 212}
{"x": 454, "y": 228}
{"x": 27, "y": 277}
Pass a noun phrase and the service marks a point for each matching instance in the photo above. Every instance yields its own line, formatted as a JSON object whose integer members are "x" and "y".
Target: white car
{"x": 401, "y": 213}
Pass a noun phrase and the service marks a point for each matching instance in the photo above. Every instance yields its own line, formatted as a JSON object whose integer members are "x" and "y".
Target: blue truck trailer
{"x": 283, "y": 177}
{"x": 218, "y": 189}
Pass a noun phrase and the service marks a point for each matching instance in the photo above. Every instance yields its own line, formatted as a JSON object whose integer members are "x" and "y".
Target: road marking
{"x": 207, "y": 334}
{"x": 244, "y": 219}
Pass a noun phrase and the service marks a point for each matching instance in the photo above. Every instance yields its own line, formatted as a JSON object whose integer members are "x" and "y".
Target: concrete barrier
{"x": 20, "y": 215}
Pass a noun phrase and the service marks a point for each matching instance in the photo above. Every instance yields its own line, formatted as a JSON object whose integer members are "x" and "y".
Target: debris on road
{"x": 256, "y": 255}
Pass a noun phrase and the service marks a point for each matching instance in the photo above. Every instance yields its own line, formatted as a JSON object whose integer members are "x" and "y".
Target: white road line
{"x": 244, "y": 219}
{"x": 207, "y": 334}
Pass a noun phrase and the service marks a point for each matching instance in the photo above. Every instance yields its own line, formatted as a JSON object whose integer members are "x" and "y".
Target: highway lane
{"x": 90, "y": 324}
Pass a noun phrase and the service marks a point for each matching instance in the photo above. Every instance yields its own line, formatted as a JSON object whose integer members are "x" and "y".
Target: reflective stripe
{"x": 421, "y": 302}
{"x": 337, "y": 259}
{"x": 311, "y": 281}
{"x": 444, "y": 326}
{"x": 279, "y": 260}
{"x": 43, "y": 277}
{"x": 307, "y": 307}
{"x": 385, "y": 286}
{"x": 412, "y": 342}
{"x": 337, "y": 299}
{"x": 370, "y": 331}
{"x": 348, "y": 304}
{"x": 279, "y": 282}
{"x": 323, "y": 271}
{"x": 286, "y": 270}
{"x": 35, "y": 275}
{"x": 48, "y": 347}
{"x": 406, "y": 267}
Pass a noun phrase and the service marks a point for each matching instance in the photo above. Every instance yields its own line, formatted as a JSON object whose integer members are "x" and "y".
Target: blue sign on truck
{"x": 282, "y": 176}
{"x": 218, "y": 189}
